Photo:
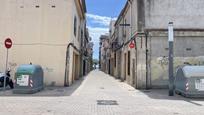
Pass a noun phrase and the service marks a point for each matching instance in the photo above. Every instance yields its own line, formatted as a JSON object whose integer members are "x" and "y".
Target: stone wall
{"x": 188, "y": 49}
{"x": 184, "y": 13}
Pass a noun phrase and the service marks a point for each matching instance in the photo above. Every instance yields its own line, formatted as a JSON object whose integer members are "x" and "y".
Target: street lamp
{"x": 171, "y": 55}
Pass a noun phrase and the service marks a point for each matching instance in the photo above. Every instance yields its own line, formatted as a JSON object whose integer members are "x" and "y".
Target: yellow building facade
{"x": 41, "y": 31}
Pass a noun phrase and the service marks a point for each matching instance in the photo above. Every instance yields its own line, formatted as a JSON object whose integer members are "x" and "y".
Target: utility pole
{"x": 171, "y": 55}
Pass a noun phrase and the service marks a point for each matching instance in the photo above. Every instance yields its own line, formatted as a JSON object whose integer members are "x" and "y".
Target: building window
{"x": 82, "y": 35}
{"x": 75, "y": 25}
{"x": 123, "y": 28}
{"x": 79, "y": 33}
{"x": 188, "y": 49}
{"x": 128, "y": 62}
{"x": 115, "y": 59}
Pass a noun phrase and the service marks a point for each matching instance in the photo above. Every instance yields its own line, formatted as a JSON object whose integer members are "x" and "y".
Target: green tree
{"x": 95, "y": 63}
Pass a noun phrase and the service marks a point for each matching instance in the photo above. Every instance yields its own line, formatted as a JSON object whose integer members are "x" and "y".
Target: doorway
{"x": 84, "y": 67}
{"x": 133, "y": 73}
{"x": 119, "y": 65}
{"x": 125, "y": 68}
{"x": 109, "y": 66}
{"x": 75, "y": 74}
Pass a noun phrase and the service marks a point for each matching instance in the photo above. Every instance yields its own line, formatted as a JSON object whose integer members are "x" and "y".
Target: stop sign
{"x": 132, "y": 44}
{"x": 8, "y": 43}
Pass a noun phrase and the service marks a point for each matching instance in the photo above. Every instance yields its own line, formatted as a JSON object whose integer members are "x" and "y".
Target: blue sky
{"x": 99, "y": 14}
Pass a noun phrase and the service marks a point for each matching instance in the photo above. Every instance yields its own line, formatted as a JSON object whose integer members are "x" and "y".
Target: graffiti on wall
{"x": 159, "y": 67}
{"x": 47, "y": 69}
{"x": 163, "y": 61}
{"x": 12, "y": 64}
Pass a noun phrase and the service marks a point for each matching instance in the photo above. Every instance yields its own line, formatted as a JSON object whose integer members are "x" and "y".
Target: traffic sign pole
{"x": 8, "y": 45}
{"x": 6, "y": 70}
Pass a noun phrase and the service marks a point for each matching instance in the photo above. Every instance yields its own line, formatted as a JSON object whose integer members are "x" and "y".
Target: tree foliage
{"x": 95, "y": 61}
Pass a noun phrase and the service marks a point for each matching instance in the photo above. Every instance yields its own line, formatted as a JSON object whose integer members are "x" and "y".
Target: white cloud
{"x": 95, "y": 33}
{"x": 102, "y": 20}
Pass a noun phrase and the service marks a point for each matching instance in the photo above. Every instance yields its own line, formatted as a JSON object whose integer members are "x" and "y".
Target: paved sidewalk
{"x": 98, "y": 94}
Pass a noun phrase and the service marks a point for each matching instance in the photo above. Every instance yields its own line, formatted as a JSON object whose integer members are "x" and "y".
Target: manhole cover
{"x": 101, "y": 87}
{"x": 146, "y": 91}
{"x": 60, "y": 90}
{"x": 50, "y": 88}
{"x": 107, "y": 102}
{"x": 49, "y": 111}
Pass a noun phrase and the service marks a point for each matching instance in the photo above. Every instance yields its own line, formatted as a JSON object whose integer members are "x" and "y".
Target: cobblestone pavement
{"x": 98, "y": 94}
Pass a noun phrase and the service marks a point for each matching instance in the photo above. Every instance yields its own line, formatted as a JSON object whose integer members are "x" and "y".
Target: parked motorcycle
{"x": 9, "y": 81}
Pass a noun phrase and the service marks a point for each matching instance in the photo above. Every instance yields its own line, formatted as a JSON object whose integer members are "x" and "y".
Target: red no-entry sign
{"x": 8, "y": 43}
{"x": 132, "y": 44}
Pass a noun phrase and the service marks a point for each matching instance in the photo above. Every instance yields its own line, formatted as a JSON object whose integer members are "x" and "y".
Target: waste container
{"x": 189, "y": 81}
{"x": 28, "y": 79}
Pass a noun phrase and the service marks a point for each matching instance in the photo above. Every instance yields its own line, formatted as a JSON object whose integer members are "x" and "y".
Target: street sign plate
{"x": 8, "y": 43}
{"x": 124, "y": 24}
{"x": 23, "y": 80}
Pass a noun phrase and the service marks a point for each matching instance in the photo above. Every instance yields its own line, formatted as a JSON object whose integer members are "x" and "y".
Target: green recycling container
{"x": 189, "y": 81}
{"x": 28, "y": 79}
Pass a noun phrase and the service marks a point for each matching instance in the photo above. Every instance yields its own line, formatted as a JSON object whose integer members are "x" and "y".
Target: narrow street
{"x": 101, "y": 57}
{"x": 98, "y": 94}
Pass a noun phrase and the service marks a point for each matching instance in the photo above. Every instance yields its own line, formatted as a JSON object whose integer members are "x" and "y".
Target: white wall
{"x": 184, "y": 13}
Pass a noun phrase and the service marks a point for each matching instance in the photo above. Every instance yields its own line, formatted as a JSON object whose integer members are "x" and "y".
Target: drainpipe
{"x": 146, "y": 48}
{"x": 135, "y": 78}
{"x": 130, "y": 3}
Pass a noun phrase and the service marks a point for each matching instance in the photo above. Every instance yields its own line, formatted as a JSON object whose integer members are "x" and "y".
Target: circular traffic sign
{"x": 8, "y": 43}
{"x": 131, "y": 45}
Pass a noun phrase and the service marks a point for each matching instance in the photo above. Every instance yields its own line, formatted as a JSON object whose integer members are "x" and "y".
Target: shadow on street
{"x": 162, "y": 94}
{"x": 48, "y": 91}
